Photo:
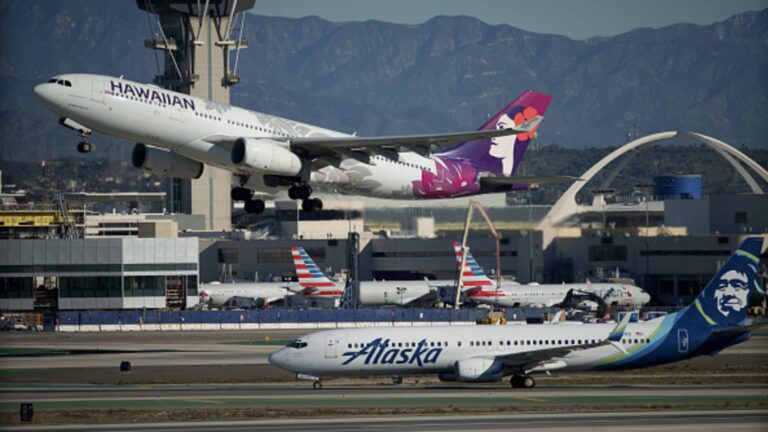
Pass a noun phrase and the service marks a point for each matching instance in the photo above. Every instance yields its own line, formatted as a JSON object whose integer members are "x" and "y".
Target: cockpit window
{"x": 298, "y": 344}
{"x": 60, "y": 82}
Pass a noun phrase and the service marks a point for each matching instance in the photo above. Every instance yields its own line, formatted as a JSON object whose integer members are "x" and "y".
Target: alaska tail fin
{"x": 312, "y": 280}
{"x": 502, "y": 155}
{"x": 725, "y": 299}
{"x": 474, "y": 276}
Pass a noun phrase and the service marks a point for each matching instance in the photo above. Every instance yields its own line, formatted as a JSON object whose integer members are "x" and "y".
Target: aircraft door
{"x": 331, "y": 342}
{"x": 97, "y": 94}
{"x": 682, "y": 341}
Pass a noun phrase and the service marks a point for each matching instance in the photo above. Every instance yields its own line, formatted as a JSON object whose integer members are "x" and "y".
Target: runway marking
{"x": 530, "y": 399}
{"x": 203, "y": 401}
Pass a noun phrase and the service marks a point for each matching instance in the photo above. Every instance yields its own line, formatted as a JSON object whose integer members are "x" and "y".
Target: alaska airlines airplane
{"x": 314, "y": 284}
{"x": 481, "y": 289}
{"x": 217, "y": 294}
{"x": 716, "y": 320}
{"x": 177, "y": 135}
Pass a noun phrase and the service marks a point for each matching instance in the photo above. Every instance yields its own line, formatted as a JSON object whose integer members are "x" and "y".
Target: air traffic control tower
{"x": 194, "y": 37}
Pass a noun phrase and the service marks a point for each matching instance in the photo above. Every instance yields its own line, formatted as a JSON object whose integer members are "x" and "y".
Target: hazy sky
{"x": 578, "y": 19}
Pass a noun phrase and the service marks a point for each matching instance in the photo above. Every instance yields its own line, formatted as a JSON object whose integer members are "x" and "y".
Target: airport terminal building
{"x": 119, "y": 273}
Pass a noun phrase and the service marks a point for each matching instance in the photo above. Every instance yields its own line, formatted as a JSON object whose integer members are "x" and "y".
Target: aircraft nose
{"x": 277, "y": 358}
{"x": 39, "y": 90}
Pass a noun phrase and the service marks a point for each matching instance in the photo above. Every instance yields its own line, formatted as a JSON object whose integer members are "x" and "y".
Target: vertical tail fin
{"x": 725, "y": 299}
{"x": 502, "y": 155}
{"x": 314, "y": 281}
{"x": 474, "y": 276}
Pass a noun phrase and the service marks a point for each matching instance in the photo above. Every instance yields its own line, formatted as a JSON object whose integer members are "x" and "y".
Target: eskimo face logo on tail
{"x": 732, "y": 294}
{"x": 382, "y": 352}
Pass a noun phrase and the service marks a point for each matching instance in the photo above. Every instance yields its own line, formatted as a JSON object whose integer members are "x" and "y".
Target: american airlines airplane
{"x": 218, "y": 294}
{"x": 481, "y": 289}
{"x": 314, "y": 284}
{"x": 716, "y": 320}
{"x": 177, "y": 135}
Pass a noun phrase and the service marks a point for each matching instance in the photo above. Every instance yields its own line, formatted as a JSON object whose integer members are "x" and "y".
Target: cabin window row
{"x": 441, "y": 344}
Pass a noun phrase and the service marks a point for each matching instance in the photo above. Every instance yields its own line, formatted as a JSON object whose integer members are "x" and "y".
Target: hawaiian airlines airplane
{"x": 481, "y": 289}
{"x": 371, "y": 293}
{"x": 716, "y": 320}
{"x": 177, "y": 135}
{"x": 217, "y": 294}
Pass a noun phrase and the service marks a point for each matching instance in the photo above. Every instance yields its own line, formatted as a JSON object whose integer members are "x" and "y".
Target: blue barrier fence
{"x": 268, "y": 316}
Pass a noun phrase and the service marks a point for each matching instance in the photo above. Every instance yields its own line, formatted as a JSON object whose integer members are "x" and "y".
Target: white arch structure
{"x": 566, "y": 206}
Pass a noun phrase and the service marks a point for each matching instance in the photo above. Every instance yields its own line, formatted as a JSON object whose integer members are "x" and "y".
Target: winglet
{"x": 618, "y": 332}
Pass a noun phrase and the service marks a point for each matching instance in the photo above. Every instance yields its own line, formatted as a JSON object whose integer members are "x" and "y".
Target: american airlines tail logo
{"x": 378, "y": 352}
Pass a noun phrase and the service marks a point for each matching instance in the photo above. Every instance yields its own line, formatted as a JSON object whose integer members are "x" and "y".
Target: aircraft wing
{"x": 529, "y": 359}
{"x": 519, "y": 180}
{"x": 360, "y": 148}
{"x": 408, "y": 142}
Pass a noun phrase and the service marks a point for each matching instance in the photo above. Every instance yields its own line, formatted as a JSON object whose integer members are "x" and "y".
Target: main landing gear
{"x": 317, "y": 385}
{"x": 522, "y": 381}
{"x": 303, "y": 192}
{"x": 255, "y": 206}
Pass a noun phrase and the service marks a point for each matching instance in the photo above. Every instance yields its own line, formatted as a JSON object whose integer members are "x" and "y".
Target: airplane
{"x": 481, "y": 289}
{"x": 715, "y": 320}
{"x": 315, "y": 284}
{"x": 217, "y": 295}
{"x": 176, "y": 135}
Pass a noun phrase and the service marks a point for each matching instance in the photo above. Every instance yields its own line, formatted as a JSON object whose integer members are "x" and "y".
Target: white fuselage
{"x": 218, "y": 294}
{"x": 547, "y": 295}
{"x": 191, "y": 128}
{"x": 398, "y": 351}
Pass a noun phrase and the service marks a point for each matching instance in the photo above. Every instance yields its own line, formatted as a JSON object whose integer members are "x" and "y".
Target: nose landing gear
{"x": 84, "y": 147}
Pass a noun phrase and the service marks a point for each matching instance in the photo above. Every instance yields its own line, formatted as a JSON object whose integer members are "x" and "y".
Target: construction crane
{"x": 465, "y": 249}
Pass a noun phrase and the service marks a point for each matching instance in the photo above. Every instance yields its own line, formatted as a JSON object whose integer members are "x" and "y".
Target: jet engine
{"x": 165, "y": 163}
{"x": 266, "y": 156}
{"x": 478, "y": 370}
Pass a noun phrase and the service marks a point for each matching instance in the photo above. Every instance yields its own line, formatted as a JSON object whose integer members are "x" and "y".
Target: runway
{"x": 583, "y": 422}
{"x": 209, "y": 376}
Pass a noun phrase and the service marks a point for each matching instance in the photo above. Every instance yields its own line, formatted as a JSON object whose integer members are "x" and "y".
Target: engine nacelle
{"x": 478, "y": 370}
{"x": 266, "y": 156}
{"x": 165, "y": 163}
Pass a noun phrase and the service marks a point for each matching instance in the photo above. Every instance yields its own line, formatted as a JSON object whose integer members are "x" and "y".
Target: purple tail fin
{"x": 502, "y": 155}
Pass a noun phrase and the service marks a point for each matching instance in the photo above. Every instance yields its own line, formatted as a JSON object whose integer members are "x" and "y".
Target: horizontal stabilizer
{"x": 519, "y": 180}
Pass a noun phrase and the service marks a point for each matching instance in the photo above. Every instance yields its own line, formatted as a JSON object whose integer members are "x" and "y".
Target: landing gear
{"x": 299, "y": 192}
{"x": 254, "y": 206}
{"x": 240, "y": 194}
{"x": 84, "y": 147}
{"x": 317, "y": 385}
{"x": 522, "y": 381}
{"x": 313, "y": 204}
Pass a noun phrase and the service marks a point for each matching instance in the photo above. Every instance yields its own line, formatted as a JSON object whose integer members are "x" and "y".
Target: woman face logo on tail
{"x": 504, "y": 147}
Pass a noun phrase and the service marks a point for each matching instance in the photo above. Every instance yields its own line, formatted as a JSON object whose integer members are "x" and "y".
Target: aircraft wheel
{"x": 84, "y": 147}
{"x": 317, "y": 385}
{"x": 240, "y": 194}
{"x": 293, "y": 193}
{"x": 299, "y": 192}
{"x": 254, "y": 206}
{"x": 528, "y": 382}
{"x": 314, "y": 204}
{"x": 516, "y": 381}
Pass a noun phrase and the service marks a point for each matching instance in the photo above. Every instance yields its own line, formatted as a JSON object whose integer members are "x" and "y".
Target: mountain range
{"x": 447, "y": 74}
